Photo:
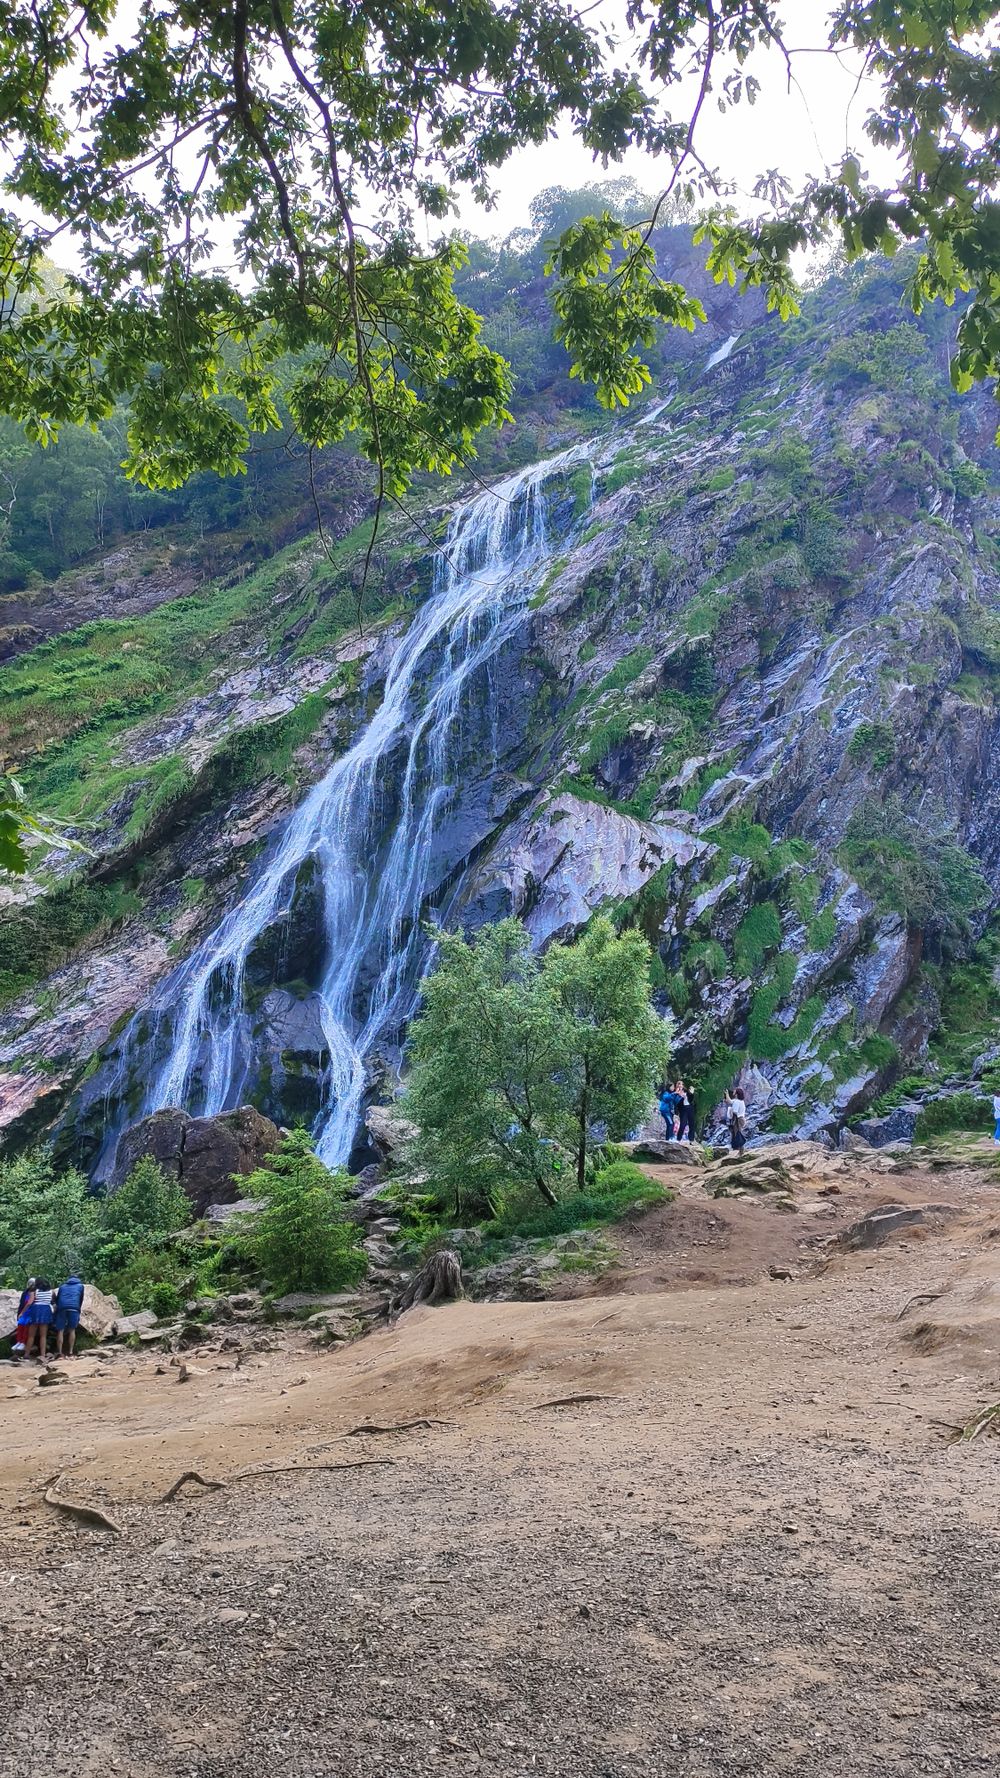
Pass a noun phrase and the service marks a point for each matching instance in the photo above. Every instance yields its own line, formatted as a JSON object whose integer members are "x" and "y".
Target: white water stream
{"x": 375, "y": 884}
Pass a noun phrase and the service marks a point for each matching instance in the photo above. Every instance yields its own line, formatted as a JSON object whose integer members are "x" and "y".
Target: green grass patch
{"x": 626, "y": 671}
{"x": 758, "y": 933}
{"x": 39, "y": 938}
{"x": 959, "y": 1111}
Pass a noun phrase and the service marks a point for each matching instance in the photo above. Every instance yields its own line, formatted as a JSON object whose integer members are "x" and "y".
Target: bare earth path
{"x": 756, "y": 1555}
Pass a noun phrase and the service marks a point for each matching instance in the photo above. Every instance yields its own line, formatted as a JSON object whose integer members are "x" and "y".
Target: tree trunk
{"x": 546, "y": 1190}
{"x": 439, "y": 1281}
{"x": 581, "y": 1151}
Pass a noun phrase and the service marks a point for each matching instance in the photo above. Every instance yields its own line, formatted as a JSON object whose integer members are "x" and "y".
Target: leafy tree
{"x": 300, "y": 1240}
{"x": 148, "y": 1204}
{"x": 486, "y": 1049}
{"x": 517, "y": 1059}
{"x": 19, "y": 825}
{"x": 318, "y": 137}
{"x": 616, "y": 1045}
{"x": 47, "y": 1219}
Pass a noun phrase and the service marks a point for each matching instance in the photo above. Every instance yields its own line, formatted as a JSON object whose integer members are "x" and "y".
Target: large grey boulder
{"x": 896, "y": 1126}
{"x": 208, "y": 1155}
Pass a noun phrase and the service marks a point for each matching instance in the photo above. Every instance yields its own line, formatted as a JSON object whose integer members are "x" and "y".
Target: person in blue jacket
{"x": 668, "y": 1108}
{"x": 69, "y": 1302}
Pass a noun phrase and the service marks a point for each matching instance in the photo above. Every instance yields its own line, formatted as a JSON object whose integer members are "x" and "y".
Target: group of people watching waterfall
{"x": 677, "y": 1109}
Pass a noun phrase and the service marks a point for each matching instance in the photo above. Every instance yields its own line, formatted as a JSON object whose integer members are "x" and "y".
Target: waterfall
{"x": 374, "y": 878}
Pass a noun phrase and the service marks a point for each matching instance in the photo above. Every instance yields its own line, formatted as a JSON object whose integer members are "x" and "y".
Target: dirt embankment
{"x": 746, "y": 1548}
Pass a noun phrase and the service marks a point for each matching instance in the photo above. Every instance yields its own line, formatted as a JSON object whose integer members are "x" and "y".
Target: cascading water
{"x": 374, "y": 878}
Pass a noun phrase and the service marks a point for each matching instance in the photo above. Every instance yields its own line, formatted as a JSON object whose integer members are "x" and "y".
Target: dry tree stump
{"x": 438, "y": 1281}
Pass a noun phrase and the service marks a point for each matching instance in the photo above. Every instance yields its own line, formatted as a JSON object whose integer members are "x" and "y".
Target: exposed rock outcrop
{"x": 208, "y": 1155}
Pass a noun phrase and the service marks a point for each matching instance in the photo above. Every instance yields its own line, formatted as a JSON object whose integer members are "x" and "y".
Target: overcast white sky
{"x": 800, "y": 132}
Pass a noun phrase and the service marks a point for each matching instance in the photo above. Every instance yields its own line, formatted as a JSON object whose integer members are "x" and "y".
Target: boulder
{"x": 9, "y": 1300}
{"x": 220, "y": 1214}
{"x": 218, "y": 1151}
{"x": 208, "y": 1155}
{"x": 896, "y": 1126}
{"x": 303, "y": 1304}
{"x": 159, "y": 1137}
{"x": 879, "y": 1224}
{"x": 853, "y": 1143}
{"x": 670, "y": 1154}
{"x": 99, "y": 1314}
{"x": 389, "y": 1130}
{"x": 139, "y": 1323}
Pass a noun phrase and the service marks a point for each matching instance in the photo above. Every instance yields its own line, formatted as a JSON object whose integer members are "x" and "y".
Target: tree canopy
{"x": 241, "y": 197}
{"x": 524, "y": 1065}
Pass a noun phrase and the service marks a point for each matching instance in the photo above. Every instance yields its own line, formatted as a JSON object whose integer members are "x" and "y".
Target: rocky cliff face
{"x": 752, "y": 708}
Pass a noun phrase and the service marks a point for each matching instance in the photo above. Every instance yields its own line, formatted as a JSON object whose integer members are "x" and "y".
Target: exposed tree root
{"x": 987, "y": 1420}
{"x": 250, "y": 1475}
{"x": 401, "y": 1426}
{"x": 190, "y": 1475}
{"x": 922, "y": 1296}
{"x": 87, "y": 1515}
{"x": 570, "y": 1401}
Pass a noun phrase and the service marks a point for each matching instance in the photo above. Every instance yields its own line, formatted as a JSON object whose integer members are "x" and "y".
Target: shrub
{"x": 147, "y": 1278}
{"x": 915, "y": 866}
{"x": 165, "y": 1298}
{"x": 960, "y": 1111}
{"x": 619, "y": 1176}
{"x": 587, "y": 1209}
{"x": 783, "y": 1119}
{"x": 300, "y": 1240}
{"x": 874, "y": 742}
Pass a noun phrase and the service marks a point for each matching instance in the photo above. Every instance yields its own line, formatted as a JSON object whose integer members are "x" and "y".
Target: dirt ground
{"x": 753, "y": 1551}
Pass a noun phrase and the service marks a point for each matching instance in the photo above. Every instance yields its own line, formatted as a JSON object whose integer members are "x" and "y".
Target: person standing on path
{"x": 737, "y": 1104}
{"x": 66, "y": 1320}
{"x": 685, "y": 1110}
{"x": 23, "y": 1332}
{"x": 41, "y": 1315}
{"x": 996, "y": 1118}
{"x": 667, "y": 1108}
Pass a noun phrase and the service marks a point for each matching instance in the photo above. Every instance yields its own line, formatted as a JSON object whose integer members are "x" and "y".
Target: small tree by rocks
{"x": 301, "y": 1240}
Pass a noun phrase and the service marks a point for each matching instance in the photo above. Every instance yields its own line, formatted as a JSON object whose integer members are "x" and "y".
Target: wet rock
{"x": 556, "y": 864}
{"x": 390, "y": 1131}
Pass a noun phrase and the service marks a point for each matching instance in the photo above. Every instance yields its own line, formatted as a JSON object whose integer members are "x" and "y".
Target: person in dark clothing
{"x": 66, "y": 1320}
{"x": 685, "y": 1112}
